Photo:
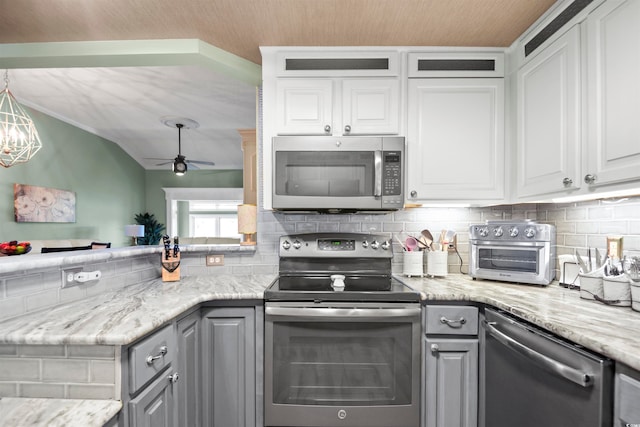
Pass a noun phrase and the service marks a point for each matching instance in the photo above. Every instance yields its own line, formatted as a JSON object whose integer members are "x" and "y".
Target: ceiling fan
{"x": 180, "y": 162}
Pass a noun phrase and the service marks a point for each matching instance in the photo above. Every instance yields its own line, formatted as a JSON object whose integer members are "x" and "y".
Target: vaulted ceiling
{"x": 126, "y": 104}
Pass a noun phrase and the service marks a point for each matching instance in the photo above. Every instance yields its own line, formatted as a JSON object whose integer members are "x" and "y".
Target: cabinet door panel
{"x": 548, "y": 147}
{"x": 304, "y": 106}
{"x": 370, "y": 106}
{"x": 188, "y": 386}
{"x": 229, "y": 367}
{"x": 451, "y": 383}
{"x": 154, "y": 406}
{"x": 455, "y": 139}
{"x": 614, "y": 91}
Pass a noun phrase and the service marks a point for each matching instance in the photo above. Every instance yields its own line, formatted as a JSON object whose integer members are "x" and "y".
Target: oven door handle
{"x": 509, "y": 245}
{"x": 576, "y": 376}
{"x": 331, "y": 314}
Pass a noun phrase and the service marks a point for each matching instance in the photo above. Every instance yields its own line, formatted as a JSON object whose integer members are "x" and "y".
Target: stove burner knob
{"x": 498, "y": 231}
{"x": 483, "y": 231}
{"x": 513, "y": 232}
{"x": 365, "y": 244}
{"x": 385, "y": 245}
{"x": 297, "y": 244}
{"x": 375, "y": 244}
{"x": 530, "y": 232}
{"x": 286, "y": 244}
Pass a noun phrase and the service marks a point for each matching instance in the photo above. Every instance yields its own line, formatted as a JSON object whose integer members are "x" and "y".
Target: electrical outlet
{"x": 215, "y": 260}
{"x": 68, "y": 276}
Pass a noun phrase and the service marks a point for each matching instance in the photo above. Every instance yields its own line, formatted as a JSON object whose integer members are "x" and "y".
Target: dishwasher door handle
{"x": 574, "y": 375}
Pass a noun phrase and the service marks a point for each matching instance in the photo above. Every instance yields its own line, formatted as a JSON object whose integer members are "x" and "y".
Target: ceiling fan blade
{"x": 164, "y": 163}
{"x": 200, "y": 162}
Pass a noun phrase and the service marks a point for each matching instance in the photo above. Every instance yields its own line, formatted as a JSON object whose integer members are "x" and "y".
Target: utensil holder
{"x": 437, "y": 263}
{"x": 635, "y": 295}
{"x": 617, "y": 291}
{"x": 413, "y": 263}
{"x": 591, "y": 287}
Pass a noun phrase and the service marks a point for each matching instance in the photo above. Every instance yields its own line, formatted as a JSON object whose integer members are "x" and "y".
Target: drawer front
{"x": 151, "y": 356}
{"x": 451, "y": 320}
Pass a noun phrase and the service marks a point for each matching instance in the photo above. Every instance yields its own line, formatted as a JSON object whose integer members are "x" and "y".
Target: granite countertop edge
{"x": 121, "y": 317}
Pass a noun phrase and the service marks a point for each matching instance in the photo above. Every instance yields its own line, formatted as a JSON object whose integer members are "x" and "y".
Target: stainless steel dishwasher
{"x": 531, "y": 378}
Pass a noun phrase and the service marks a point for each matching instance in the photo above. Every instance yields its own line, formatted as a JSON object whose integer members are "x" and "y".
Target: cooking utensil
{"x": 599, "y": 261}
{"x": 428, "y": 237}
{"x": 400, "y": 242}
{"x": 411, "y": 243}
{"x": 581, "y": 263}
{"x": 424, "y": 243}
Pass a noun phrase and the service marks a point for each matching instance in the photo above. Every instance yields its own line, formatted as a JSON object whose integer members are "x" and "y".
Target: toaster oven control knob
{"x": 375, "y": 244}
{"x": 530, "y": 232}
{"x": 296, "y": 244}
{"x": 286, "y": 244}
{"x": 498, "y": 231}
{"x": 513, "y": 232}
{"x": 483, "y": 231}
{"x": 385, "y": 245}
{"x": 365, "y": 244}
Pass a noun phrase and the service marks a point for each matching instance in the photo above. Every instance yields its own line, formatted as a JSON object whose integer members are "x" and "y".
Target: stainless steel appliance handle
{"x": 509, "y": 245}
{"x": 578, "y": 377}
{"x": 331, "y": 314}
{"x": 378, "y": 173}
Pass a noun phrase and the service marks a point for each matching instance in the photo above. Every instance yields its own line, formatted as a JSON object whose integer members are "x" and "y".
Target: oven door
{"x": 342, "y": 364}
{"x": 528, "y": 262}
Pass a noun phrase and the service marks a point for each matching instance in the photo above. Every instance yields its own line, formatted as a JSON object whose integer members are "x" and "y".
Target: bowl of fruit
{"x": 15, "y": 247}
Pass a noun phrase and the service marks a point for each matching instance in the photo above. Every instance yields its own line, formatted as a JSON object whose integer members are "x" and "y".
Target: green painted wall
{"x": 156, "y": 180}
{"x": 109, "y": 185}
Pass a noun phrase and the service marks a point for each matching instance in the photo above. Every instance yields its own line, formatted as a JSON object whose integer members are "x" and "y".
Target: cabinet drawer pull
{"x": 327, "y": 129}
{"x": 173, "y": 378}
{"x": 567, "y": 182}
{"x": 150, "y": 359}
{"x": 454, "y": 323}
{"x": 435, "y": 348}
{"x": 590, "y": 179}
{"x": 347, "y": 129}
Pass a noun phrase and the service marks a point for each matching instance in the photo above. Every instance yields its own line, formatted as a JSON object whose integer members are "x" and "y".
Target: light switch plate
{"x": 215, "y": 260}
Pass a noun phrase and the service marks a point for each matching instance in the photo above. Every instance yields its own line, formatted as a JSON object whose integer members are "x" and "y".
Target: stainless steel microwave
{"x": 338, "y": 174}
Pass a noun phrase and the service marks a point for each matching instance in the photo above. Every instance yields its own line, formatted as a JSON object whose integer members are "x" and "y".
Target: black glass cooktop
{"x": 357, "y": 288}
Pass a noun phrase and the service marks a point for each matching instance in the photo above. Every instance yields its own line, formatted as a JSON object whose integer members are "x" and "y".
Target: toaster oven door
{"x": 515, "y": 262}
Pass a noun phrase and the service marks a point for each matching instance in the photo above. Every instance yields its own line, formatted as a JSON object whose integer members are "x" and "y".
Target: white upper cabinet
{"x": 332, "y": 106}
{"x": 455, "y": 140}
{"x": 548, "y": 119}
{"x": 613, "y": 91}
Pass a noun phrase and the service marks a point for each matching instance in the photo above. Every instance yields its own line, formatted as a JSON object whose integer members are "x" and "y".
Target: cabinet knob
{"x": 160, "y": 355}
{"x": 173, "y": 378}
{"x": 435, "y": 348}
{"x": 327, "y": 129}
{"x": 347, "y": 129}
{"x": 567, "y": 182}
{"x": 590, "y": 179}
{"x": 414, "y": 193}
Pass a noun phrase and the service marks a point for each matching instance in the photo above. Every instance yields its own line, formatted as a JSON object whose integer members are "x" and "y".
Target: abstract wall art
{"x": 42, "y": 204}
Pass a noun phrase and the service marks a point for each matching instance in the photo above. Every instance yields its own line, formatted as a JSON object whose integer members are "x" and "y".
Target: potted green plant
{"x": 153, "y": 230}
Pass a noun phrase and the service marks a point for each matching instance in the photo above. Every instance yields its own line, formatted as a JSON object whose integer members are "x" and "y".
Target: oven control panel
{"x": 336, "y": 245}
{"x": 511, "y": 231}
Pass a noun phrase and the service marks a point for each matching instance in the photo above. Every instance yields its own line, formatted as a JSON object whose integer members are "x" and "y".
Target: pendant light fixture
{"x": 19, "y": 139}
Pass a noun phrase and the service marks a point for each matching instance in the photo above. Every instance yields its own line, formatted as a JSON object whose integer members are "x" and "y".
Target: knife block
{"x": 170, "y": 268}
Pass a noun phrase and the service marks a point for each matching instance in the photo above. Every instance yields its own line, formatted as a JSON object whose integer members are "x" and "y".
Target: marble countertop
{"x": 611, "y": 331}
{"x": 15, "y": 412}
{"x": 122, "y": 316}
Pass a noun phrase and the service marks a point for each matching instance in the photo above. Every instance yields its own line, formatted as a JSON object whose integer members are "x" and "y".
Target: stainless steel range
{"x": 342, "y": 335}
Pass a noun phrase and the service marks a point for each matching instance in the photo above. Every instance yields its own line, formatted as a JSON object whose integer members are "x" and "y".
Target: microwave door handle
{"x": 378, "y": 173}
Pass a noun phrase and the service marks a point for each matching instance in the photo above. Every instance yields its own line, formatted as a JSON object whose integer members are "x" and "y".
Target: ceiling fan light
{"x": 179, "y": 167}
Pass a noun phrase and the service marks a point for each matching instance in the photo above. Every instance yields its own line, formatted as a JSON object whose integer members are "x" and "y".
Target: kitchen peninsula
{"x": 121, "y": 317}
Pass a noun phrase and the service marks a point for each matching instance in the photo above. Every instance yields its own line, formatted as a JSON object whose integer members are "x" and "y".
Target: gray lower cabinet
{"x": 450, "y": 387}
{"x": 189, "y": 388}
{"x": 229, "y": 367}
{"x": 154, "y": 406}
{"x": 626, "y": 410}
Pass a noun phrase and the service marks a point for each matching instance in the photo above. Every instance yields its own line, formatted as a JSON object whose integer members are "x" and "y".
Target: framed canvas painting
{"x": 42, "y": 204}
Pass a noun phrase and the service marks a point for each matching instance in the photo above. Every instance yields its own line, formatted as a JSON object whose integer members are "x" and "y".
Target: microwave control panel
{"x": 392, "y": 173}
